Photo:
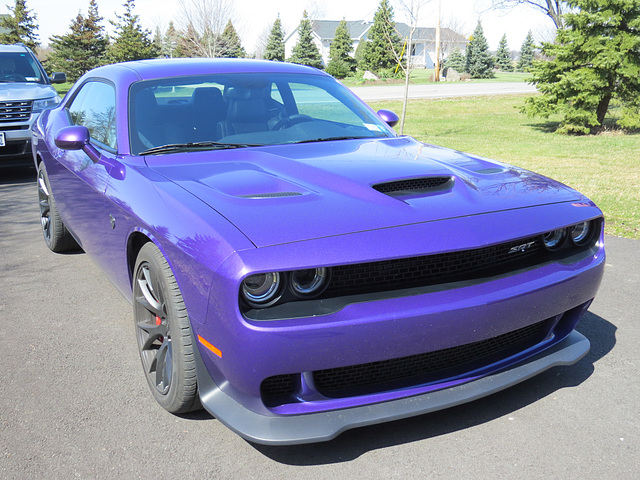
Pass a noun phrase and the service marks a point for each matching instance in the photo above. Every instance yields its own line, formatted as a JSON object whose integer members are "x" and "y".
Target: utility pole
{"x": 436, "y": 76}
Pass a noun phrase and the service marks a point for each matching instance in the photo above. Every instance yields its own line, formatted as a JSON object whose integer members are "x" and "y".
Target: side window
{"x": 95, "y": 107}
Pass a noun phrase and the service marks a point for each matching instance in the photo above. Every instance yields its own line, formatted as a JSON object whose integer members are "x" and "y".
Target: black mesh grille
{"x": 15, "y": 111}
{"x": 405, "y": 372}
{"x": 278, "y": 386}
{"x": 416, "y": 369}
{"x": 412, "y": 186}
{"x": 271, "y": 195}
{"x": 430, "y": 269}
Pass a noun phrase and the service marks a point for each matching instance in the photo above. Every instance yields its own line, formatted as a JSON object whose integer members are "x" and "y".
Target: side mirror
{"x": 389, "y": 117}
{"x": 58, "y": 77}
{"x": 77, "y": 137}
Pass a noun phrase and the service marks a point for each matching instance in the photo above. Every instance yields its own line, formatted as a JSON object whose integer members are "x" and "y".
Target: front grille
{"x": 15, "y": 111}
{"x": 426, "y": 367}
{"x": 430, "y": 269}
{"x": 408, "y": 371}
{"x": 413, "y": 186}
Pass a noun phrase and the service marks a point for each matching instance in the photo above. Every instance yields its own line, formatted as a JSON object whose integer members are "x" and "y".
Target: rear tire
{"x": 56, "y": 235}
{"x": 163, "y": 332}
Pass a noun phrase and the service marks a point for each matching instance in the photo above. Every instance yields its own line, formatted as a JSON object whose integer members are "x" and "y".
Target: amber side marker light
{"x": 216, "y": 351}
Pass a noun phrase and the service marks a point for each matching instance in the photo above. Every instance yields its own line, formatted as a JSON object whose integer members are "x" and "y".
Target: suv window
{"x": 20, "y": 67}
{"x": 94, "y": 107}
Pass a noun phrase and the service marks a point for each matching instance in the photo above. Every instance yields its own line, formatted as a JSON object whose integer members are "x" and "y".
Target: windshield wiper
{"x": 181, "y": 147}
{"x": 330, "y": 139}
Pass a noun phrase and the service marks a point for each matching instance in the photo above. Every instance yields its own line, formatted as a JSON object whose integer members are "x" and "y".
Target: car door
{"x": 81, "y": 183}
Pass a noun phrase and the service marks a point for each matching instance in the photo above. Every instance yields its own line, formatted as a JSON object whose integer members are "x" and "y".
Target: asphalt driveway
{"x": 74, "y": 402}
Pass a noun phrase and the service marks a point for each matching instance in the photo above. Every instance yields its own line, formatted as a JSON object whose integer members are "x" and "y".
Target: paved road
{"x": 74, "y": 403}
{"x": 440, "y": 90}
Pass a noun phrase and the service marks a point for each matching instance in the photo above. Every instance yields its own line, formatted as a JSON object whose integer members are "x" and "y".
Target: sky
{"x": 253, "y": 17}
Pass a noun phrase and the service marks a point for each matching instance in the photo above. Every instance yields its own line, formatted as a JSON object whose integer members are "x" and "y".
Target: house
{"x": 424, "y": 40}
{"x": 2, "y": 17}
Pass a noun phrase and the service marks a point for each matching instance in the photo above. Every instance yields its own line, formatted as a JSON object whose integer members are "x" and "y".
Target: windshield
{"x": 19, "y": 67}
{"x": 245, "y": 110}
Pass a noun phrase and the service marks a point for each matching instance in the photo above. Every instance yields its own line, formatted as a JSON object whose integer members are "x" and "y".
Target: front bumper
{"x": 323, "y": 426}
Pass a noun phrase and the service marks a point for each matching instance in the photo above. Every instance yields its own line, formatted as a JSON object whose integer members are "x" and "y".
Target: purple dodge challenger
{"x": 295, "y": 267}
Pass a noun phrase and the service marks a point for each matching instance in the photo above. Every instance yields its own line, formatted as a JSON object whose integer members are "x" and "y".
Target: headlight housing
{"x": 555, "y": 239}
{"x": 310, "y": 282}
{"x": 44, "y": 103}
{"x": 581, "y": 233}
{"x": 262, "y": 289}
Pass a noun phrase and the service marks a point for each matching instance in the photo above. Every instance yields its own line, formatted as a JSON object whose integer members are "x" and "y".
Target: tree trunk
{"x": 603, "y": 106}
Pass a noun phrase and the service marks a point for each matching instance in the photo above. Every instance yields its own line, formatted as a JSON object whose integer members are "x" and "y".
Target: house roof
{"x": 326, "y": 29}
{"x": 358, "y": 29}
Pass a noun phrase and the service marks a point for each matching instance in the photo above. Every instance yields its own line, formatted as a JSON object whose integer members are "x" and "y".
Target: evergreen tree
{"x": 82, "y": 49}
{"x": 21, "y": 26}
{"x": 188, "y": 42}
{"x": 305, "y": 52}
{"x": 594, "y": 60}
{"x": 131, "y": 42}
{"x": 384, "y": 45}
{"x": 341, "y": 63}
{"x": 479, "y": 62}
{"x": 275, "y": 44}
{"x": 503, "y": 56}
{"x": 456, "y": 61}
{"x": 230, "y": 43}
{"x": 170, "y": 42}
{"x": 525, "y": 62}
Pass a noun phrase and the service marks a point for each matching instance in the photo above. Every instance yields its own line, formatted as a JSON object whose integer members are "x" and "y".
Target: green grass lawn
{"x": 605, "y": 167}
{"x": 425, "y": 75}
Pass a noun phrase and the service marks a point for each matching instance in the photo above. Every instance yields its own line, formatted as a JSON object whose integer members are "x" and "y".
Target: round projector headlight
{"x": 554, "y": 240}
{"x": 581, "y": 233}
{"x": 262, "y": 288}
{"x": 309, "y": 282}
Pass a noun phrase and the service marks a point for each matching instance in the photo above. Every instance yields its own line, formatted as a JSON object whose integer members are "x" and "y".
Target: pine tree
{"x": 456, "y": 60}
{"x": 188, "y": 42}
{"x": 21, "y": 26}
{"x": 341, "y": 63}
{"x": 131, "y": 42}
{"x": 525, "y": 62}
{"x": 275, "y": 44}
{"x": 384, "y": 45}
{"x": 305, "y": 52}
{"x": 230, "y": 43}
{"x": 170, "y": 42}
{"x": 503, "y": 56}
{"x": 593, "y": 61}
{"x": 82, "y": 49}
{"x": 479, "y": 62}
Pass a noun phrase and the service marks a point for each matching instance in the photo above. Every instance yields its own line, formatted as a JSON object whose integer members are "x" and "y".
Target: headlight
{"x": 261, "y": 289}
{"x": 553, "y": 240}
{"x": 309, "y": 282}
{"x": 43, "y": 104}
{"x": 581, "y": 233}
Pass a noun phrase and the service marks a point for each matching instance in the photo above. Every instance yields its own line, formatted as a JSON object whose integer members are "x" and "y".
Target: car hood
{"x": 289, "y": 193}
{"x": 14, "y": 91}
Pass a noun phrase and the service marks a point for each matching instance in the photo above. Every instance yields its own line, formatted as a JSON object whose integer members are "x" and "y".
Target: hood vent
{"x": 414, "y": 186}
{"x": 271, "y": 195}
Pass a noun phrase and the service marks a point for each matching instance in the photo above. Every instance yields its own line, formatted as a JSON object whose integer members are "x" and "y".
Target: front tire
{"x": 56, "y": 235}
{"x": 164, "y": 333}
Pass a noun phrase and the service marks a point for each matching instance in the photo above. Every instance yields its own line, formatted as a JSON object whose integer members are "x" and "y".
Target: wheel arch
{"x": 135, "y": 242}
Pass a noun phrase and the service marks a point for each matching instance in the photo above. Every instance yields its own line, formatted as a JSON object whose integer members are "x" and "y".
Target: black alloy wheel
{"x": 163, "y": 333}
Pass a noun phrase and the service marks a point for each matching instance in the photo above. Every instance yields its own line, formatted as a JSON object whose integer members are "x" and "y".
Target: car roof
{"x": 178, "y": 67}
{"x": 14, "y": 48}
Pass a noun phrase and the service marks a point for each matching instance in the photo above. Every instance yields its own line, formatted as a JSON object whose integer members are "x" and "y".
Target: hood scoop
{"x": 271, "y": 195}
{"x": 414, "y": 186}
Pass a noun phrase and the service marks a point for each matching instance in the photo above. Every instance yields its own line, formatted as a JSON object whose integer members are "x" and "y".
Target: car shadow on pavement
{"x": 354, "y": 443}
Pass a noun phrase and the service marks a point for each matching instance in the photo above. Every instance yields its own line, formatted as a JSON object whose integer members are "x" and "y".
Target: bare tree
{"x": 450, "y": 39}
{"x": 411, "y": 9}
{"x": 202, "y": 23}
{"x": 554, "y": 9}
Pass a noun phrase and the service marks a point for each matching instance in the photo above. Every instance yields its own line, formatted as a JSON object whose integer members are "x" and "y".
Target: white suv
{"x": 25, "y": 90}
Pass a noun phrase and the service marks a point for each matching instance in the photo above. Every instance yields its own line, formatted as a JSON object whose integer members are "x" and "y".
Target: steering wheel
{"x": 291, "y": 120}
{"x": 15, "y": 77}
